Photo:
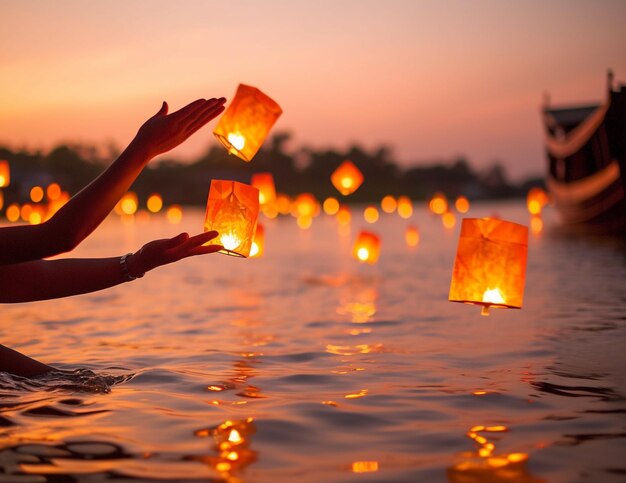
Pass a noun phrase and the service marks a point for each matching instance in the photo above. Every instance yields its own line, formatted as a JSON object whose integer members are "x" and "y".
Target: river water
{"x": 305, "y": 365}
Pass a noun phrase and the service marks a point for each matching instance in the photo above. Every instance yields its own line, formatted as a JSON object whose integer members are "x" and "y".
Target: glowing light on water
{"x": 235, "y": 437}
{"x": 364, "y": 466}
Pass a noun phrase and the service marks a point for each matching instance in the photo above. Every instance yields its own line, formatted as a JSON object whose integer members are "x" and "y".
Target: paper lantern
{"x": 258, "y": 243}
{"x": 264, "y": 182}
{"x": 246, "y": 123}
{"x": 346, "y": 178}
{"x": 366, "y": 247}
{"x": 232, "y": 210}
{"x": 490, "y": 264}
{"x": 5, "y": 174}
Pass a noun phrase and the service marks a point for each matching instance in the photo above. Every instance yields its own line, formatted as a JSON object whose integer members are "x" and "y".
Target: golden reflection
{"x": 232, "y": 440}
{"x": 485, "y": 465}
{"x": 347, "y": 350}
{"x": 330, "y": 403}
{"x": 357, "y": 395}
{"x": 364, "y": 466}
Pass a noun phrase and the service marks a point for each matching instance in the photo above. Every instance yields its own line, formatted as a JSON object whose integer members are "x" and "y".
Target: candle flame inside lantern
{"x": 229, "y": 241}
{"x": 237, "y": 140}
{"x": 363, "y": 254}
{"x": 493, "y": 296}
{"x": 234, "y": 436}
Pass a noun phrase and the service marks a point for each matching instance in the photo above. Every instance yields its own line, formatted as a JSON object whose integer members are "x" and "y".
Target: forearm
{"x": 49, "y": 279}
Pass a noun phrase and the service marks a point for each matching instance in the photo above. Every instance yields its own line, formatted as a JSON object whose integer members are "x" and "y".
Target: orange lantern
{"x": 347, "y": 178}
{"x": 438, "y": 204}
{"x": 264, "y": 182}
{"x": 247, "y": 122}
{"x": 258, "y": 243}
{"x": 366, "y": 247}
{"x": 412, "y": 236}
{"x": 305, "y": 204}
{"x": 536, "y": 199}
{"x": 5, "y": 173}
{"x": 490, "y": 264}
{"x": 232, "y": 210}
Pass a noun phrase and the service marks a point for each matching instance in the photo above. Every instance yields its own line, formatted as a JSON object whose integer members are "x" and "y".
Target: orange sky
{"x": 432, "y": 79}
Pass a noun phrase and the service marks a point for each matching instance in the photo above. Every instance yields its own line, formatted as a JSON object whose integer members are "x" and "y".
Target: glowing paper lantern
{"x": 232, "y": 210}
{"x": 405, "y": 207}
{"x": 5, "y": 174}
{"x": 388, "y": 204}
{"x": 462, "y": 204}
{"x": 258, "y": 243}
{"x": 264, "y": 182}
{"x": 536, "y": 199}
{"x": 331, "y": 206}
{"x": 347, "y": 178}
{"x": 305, "y": 204}
{"x": 438, "y": 204}
{"x": 154, "y": 203}
{"x": 366, "y": 247}
{"x": 490, "y": 264}
{"x": 412, "y": 236}
{"x": 247, "y": 122}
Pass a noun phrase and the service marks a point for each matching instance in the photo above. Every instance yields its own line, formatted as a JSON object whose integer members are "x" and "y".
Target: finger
{"x": 200, "y": 239}
{"x": 203, "y": 250}
{"x": 177, "y": 240}
{"x": 208, "y": 106}
{"x": 190, "y": 108}
{"x": 203, "y": 119}
{"x": 163, "y": 110}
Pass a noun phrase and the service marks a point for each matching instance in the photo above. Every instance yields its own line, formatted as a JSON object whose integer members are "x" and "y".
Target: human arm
{"x": 49, "y": 279}
{"x": 86, "y": 210}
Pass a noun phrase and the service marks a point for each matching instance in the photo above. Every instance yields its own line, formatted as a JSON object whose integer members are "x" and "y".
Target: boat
{"x": 586, "y": 154}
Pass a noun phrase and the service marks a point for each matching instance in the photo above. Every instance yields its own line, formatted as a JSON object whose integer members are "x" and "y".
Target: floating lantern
{"x": 330, "y": 206}
{"x": 438, "y": 204}
{"x": 536, "y": 199}
{"x": 346, "y": 178}
{"x": 343, "y": 215}
{"x": 174, "y": 214}
{"x": 366, "y": 247}
{"x": 412, "y": 236}
{"x": 154, "y": 203}
{"x": 13, "y": 212}
{"x": 258, "y": 243}
{"x": 490, "y": 264}
{"x": 246, "y": 123}
{"x": 129, "y": 203}
{"x": 448, "y": 220}
{"x": 405, "y": 207}
{"x": 306, "y": 205}
{"x": 232, "y": 210}
{"x": 370, "y": 214}
{"x": 388, "y": 204}
{"x": 36, "y": 194}
{"x": 462, "y": 204}
{"x": 264, "y": 182}
{"x": 5, "y": 174}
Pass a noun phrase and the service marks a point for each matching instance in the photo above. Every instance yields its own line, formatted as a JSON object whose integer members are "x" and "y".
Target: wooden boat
{"x": 586, "y": 151}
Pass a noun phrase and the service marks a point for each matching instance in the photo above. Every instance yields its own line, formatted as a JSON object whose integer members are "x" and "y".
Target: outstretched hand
{"x": 164, "y": 131}
{"x": 168, "y": 250}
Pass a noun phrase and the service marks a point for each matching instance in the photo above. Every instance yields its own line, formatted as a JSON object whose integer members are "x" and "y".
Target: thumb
{"x": 163, "y": 110}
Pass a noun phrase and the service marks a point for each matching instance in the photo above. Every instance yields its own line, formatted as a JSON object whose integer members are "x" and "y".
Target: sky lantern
{"x": 448, "y": 220}
{"x": 412, "y": 236}
{"x": 536, "y": 199}
{"x": 36, "y": 194}
{"x": 154, "y": 203}
{"x": 232, "y": 210}
{"x": 258, "y": 243}
{"x": 366, "y": 247}
{"x": 306, "y": 204}
{"x": 5, "y": 173}
{"x": 129, "y": 203}
{"x": 343, "y": 215}
{"x": 174, "y": 214}
{"x": 347, "y": 178}
{"x": 264, "y": 182}
{"x": 330, "y": 206}
{"x": 536, "y": 224}
{"x": 490, "y": 264}
{"x": 405, "y": 207}
{"x": 388, "y": 204}
{"x": 462, "y": 204}
{"x": 13, "y": 212}
{"x": 370, "y": 214}
{"x": 246, "y": 123}
{"x": 438, "y": 204}
{"x": 53, "y": 191}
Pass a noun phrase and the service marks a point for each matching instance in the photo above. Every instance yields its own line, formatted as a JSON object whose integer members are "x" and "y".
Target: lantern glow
{"x": 347, "y": 178}
{"x": 490, "y": 264}
{"x": 5, "y": 173}
{"x": 246, "y": 123}
{"x": 232, "y": 210}
{"x": 366, "y": 247}
{"x": 258, "y": 244}
{"x": 264, "y": 182}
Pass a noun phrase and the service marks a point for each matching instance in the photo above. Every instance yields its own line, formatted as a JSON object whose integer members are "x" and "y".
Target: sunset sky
{"x": 431, "y": 79}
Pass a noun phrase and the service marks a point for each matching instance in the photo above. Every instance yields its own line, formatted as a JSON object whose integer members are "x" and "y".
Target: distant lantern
{"x": 5, "y": 174}
{"x": 258, "y": 243}
{"x": 232, "y": 210}
{"x": 246, "y": 123}
{"x": 536, "y": 199}
{"x": 438, "y": 204}
{"x": 490, "y": 264}
{"x": 366, "y": 247}
{"x": 405, "y": 207}
{"x": 347, "y": 178}
{"x": 264, "y": 182}
{"x": 306, "y": 205}
{"x": 412, "y": 236}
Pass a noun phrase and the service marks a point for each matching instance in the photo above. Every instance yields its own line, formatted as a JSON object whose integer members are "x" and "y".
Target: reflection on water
{"x": 305, "y": 365}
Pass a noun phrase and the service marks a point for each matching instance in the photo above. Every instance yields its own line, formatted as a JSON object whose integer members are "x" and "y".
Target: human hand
{"x": 164, "y": 131}
{"x": 168, "y": 250}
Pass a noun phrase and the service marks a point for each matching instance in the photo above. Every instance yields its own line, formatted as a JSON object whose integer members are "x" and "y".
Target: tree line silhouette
{"x": 302, "y": 170}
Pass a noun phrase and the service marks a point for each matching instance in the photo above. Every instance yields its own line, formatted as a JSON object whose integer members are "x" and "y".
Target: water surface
{"x": 307, "y": 365}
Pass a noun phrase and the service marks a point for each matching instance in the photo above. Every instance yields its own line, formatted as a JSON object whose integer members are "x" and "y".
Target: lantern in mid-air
{"x": 232, "y": 210}
{"x": 258, "y": 243}
{"x": 490, "y": 264}
{"x": 366, "y": 247}
{"x": 246, "y": 123}
{"x": 5, "y": 173}
{"x": 264, "y": 182}
{"x": 347, "y": 178}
